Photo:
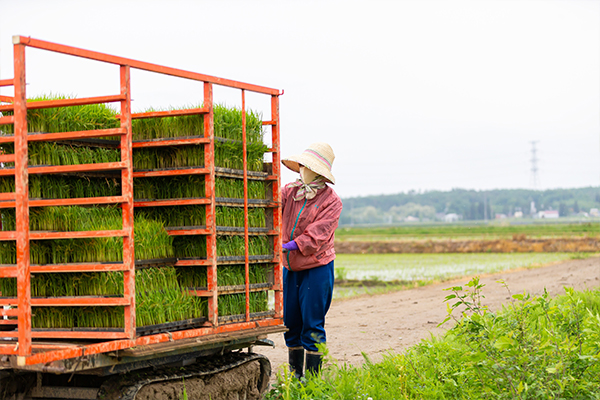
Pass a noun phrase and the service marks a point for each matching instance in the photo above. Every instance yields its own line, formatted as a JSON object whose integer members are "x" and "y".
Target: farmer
{"x": 311, "y": 211}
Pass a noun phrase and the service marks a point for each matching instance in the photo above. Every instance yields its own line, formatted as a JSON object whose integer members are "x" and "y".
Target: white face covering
{"x": 307, "y": 175}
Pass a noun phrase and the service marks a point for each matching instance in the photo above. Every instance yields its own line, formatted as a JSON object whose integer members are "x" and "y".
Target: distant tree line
{"x": 467, "y": 204}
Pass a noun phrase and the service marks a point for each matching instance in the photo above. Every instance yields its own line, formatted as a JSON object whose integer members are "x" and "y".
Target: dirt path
{"x": 394, "y": 321}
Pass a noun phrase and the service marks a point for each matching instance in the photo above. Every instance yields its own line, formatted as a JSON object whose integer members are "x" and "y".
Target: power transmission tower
{"x": 535, "y": 182}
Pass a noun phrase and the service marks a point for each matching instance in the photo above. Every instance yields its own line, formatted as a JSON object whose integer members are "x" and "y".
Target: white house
{"x": 452, "y": 217}
{"x": 548, "y": 214}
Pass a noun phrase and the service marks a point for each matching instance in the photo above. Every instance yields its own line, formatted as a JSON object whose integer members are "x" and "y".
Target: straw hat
{"x": 318, "y": 157}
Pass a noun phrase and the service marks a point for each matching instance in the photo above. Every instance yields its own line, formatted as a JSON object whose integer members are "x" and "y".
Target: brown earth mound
{"x": 516, "y": 245}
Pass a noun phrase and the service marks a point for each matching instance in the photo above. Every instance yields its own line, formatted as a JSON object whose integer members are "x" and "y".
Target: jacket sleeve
{"x": 320, "y": 232}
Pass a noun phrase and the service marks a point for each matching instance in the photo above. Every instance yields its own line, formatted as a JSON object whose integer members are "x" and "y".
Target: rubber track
{"x": 126, "y": 387}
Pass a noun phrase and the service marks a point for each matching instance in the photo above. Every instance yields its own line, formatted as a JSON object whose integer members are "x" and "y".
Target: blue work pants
{"x": 306, "y": 299}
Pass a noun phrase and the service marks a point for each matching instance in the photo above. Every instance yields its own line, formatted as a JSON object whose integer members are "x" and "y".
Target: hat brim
{"x": 294, "y": 163}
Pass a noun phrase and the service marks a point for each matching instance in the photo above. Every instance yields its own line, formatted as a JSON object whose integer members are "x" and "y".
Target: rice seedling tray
{"x": 222, "y": 201}
{"x": 242, "y": 317}
{"x": 156, "y": 262}
{"x": 238, "y": 173}
{"x": 265, "y": 257}
{"x": 170, "y": 326}
{"x": 254, "y": 287}
{"x": 240, "y": 229}
{"x": 87, "y": 142}
{"x": 168, "y": 139}
{"x": 77, "y": 329}
{"x": 234, "y": 229}
{"x": 96, "y": 174}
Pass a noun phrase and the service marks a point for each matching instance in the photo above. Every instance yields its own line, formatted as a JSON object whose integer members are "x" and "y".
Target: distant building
{"x": 518, "y": 214}
{"x": 500, "y": 216}
{"x": 548, "y": 214}
{"x": 594, "y": 212}
{"x": 410, "y": 218}
{"x": 452, "y": 217}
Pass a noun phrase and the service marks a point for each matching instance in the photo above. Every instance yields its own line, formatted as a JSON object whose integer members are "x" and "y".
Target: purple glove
{"x": 290, "y": 246}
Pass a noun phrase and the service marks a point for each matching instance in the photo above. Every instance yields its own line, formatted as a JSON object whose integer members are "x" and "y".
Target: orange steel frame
{"x": 27, "y": 351}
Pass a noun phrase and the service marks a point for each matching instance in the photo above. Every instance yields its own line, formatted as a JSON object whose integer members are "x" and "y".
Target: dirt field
{"x": 391, "y": 322}
{"x": 518, "y": 244}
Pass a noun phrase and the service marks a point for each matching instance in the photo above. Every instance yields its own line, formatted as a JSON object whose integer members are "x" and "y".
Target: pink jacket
{"x": 313, "y": 223}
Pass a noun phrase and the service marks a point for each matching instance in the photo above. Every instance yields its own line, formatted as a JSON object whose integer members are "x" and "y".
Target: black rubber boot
{"x": 296, "y": 360}
{"x": 313, "y": 363}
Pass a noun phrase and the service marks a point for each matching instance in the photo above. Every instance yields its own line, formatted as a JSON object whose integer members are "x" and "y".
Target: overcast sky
{"x": 411, "y": 95}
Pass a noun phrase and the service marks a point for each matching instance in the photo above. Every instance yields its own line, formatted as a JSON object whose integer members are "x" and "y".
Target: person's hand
{"x": 290, "y": 246}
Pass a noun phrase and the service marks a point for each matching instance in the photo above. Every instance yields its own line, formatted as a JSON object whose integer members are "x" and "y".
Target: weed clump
{"x": 534, "y": 348}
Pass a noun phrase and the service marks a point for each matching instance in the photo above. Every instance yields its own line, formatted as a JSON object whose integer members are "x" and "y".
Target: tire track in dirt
{"x": 394, "y": 321}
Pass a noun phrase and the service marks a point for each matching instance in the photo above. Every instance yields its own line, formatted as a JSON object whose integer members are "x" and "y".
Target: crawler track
{"x": 127, "y": 386}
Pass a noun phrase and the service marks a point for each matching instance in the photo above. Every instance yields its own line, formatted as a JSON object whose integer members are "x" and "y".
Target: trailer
{"x": 117, "y": 336}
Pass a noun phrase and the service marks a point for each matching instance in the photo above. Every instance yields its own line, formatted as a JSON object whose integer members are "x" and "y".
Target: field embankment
{"x": 518, "y": 244}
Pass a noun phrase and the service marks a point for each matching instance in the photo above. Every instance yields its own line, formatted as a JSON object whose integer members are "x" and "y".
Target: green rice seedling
{"x": 229, "y": 216}
{"x": 152, "y": 241}
{"x": 53, "y": 153}
{"x": 168, "y": 127}
{"x": 77, "y": 284}
{"x": 257, "y": 218}
{"x": 258, "y": 301}
{"x": 259, "y": 245}
{"x": 258, "y": 273}
{"x": 230, "y": 275}
{"x": 53, "y": 317}
{"x": 174, "y": 216}
{"x": 168, "y": 157}
{"x": 66, "y": 119}
{"x": 228, "y": 246}
{"x": 189, "y": 246}
{"x": 234, "y": 188}
{"x": 100, "y": 317}
{"x": 176, "y": 187}
{"x": 228, "y": 124}
{"x": 161, "y": 299}
{"x": 234, "y": 217}
{"x": 8, "y": 287}
{"x": 191, "y": 277}
{"x": 232, "y": 304}
{"x": 230, "y": 155}
{"x": 235, "y": 304}
{"x": 63, "y": 187}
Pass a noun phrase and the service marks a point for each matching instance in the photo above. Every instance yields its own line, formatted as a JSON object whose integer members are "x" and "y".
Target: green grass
{"x": 465, "y": 232}
{"x": 534, "y": 348}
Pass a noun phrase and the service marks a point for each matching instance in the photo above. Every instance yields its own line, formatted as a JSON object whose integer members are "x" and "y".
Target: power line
{"x": 535, "y": 183}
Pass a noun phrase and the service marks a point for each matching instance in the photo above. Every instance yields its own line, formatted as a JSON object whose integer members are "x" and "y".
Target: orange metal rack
{"x": 25, "y": 348}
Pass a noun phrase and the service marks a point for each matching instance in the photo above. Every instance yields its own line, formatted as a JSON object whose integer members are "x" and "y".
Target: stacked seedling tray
{"x": 202, "y": 210}
{"x": 171, "y": 187}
